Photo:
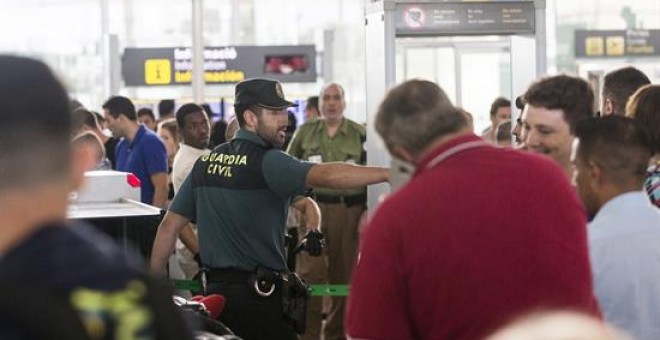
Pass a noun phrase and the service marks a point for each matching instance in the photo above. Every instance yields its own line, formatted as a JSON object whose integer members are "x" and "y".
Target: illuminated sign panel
{"x": 452, "y": 18}
{"x": 617, "y": 43}
{"x": 222, "y": 65}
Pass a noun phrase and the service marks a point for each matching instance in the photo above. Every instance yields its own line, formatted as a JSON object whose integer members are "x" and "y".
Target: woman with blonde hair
{"x": 644, "y": 106}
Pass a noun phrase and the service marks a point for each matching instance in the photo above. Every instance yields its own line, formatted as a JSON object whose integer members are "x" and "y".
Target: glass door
{"x": 485, "y": 75}
{"x": 473, "y": 71}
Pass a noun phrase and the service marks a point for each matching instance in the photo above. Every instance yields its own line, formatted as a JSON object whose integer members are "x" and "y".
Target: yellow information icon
{"x": 594, "y": 46}
{"x": 615, "y": 45}
{"x": 157, "y": 71}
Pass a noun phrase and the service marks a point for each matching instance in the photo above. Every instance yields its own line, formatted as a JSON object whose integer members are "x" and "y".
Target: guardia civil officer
{"x": 239, "y": 195}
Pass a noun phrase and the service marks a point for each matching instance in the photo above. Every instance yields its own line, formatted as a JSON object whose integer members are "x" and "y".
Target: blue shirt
{"x": 624, "y": 246}
{"x": 144, "y": 157}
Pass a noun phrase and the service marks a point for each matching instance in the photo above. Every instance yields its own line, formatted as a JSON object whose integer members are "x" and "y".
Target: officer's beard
{"x": 273, "y": 136}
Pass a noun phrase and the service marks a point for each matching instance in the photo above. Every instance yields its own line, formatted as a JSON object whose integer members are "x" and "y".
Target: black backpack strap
{"x": 39, "y": 313}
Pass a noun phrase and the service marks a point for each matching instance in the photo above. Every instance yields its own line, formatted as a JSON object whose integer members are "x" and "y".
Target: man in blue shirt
{"x": 139, "y": 151}
{"x": 610, "y": 158}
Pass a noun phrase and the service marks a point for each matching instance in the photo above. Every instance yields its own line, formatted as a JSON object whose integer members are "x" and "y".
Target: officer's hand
{"x": 314, "y": 243}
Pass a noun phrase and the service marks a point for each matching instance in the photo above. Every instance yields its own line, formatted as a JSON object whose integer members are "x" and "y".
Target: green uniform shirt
{"x": 238, "y": 195}
{"x": 312, "y": 143}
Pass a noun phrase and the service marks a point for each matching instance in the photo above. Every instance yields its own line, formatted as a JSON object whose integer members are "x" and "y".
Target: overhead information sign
{"x": 419, "y": 1}
{"x": 222, "y": 65}
{"x": 617, "y": 43}
{"x": 462, "y": 18}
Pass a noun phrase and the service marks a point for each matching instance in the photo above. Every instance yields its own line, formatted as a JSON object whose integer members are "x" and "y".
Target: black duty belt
{"x": 263, "y": 280}
{"x": 230, "y": 275}
{"x": 347, "y": 200}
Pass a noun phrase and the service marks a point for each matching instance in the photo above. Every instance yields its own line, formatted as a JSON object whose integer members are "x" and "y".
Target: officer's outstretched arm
{"x": 345, "y": 176}
{"x": 168, "y": 231}
{"x": 312, "y": 212}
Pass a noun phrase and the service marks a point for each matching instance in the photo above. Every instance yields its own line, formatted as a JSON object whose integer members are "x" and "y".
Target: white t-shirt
{"x": 184, "y": 160}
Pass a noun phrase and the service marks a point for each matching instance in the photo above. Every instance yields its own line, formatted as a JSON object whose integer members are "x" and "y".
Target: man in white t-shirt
{"x": 195, "y": 132}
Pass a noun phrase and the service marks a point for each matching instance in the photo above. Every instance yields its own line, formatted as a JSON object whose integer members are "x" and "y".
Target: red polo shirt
{"x": 481, "y": 235}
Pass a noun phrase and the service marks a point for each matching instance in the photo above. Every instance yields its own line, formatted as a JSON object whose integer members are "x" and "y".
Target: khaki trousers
{"x": 340, "y": 227}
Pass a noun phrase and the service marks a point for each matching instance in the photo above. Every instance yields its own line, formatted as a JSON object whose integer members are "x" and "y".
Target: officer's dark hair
{"x": 165, "y": 107}
{"x": 572, "y": 95}
{"x": 82, "y": 117}
{"x": 619, "y": 145}
{"x": 497, "y": 103}
{"x": 35, "y": 131}
{"x": 415, "y": 113}
{"x": 145, "y": 111}
{"x": 184, "y": 111}
{"x": 119, "y": 105}
{"x": 258, "y": 110}
{"x": 620, "y": 84}
{"x": 644, "y": 107}
{"x": 312, "y": 102}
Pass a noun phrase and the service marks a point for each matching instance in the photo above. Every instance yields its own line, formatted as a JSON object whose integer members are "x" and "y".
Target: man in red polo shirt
{"x": 479, "y": 236}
